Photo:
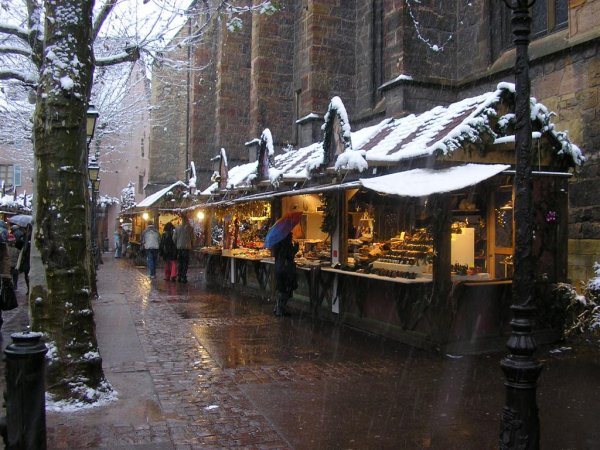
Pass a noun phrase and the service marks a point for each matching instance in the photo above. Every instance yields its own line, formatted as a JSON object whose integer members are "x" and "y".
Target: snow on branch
{"x": 12, "y": 30}
{"x": 104, "y": 12}
{"x": 5, "y": 49}
{"x": 25, "y": 77}
{"x": 129, "y": 55}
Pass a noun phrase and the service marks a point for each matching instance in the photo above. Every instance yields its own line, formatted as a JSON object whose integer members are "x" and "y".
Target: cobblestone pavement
{"x": 196, "y": 368}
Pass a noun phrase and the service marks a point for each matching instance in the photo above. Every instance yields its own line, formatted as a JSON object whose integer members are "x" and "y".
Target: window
{"x": 17, "y": 176}
{"x": 7, "y": 175}
{"x": 547, "y": 16}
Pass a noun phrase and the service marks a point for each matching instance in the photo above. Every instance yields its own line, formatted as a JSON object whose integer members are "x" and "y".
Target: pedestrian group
{"x": 174, "y": 246}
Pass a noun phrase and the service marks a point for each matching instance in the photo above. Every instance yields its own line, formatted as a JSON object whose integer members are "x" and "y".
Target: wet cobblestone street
{"x": 199, "y": 369}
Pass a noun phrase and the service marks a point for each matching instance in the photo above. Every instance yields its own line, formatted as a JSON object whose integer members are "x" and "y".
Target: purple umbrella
{"x": 282, "y": 228}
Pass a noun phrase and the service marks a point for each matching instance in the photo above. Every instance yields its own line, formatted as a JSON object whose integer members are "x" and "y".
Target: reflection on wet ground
{"x": 326, "y": 386}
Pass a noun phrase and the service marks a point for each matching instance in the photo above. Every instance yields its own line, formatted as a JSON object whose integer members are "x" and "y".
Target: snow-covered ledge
{"x": 309, "y": 118}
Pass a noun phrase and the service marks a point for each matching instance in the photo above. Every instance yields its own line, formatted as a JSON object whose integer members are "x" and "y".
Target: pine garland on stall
{"x": 330, "y": 214}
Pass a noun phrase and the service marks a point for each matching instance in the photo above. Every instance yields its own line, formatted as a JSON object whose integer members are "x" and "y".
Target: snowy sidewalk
{"x": 167, "y": 384}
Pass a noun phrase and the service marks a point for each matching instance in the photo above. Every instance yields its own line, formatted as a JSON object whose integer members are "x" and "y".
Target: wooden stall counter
{"x": 420, "y": 278}
{"x": 210, "y": 250}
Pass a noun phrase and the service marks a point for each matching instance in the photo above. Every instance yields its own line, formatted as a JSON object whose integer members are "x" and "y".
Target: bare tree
{"x": 48, "y": 53}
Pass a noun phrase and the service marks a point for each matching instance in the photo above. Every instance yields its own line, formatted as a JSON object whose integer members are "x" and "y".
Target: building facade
{"x": 383, "y": 58}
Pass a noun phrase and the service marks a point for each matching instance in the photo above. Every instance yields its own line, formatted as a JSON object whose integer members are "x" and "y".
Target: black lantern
{"x": 93, "y": 170}
{"x": 90, "y": 123}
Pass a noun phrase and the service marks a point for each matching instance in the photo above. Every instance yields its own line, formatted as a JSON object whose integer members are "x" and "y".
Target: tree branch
{"x": 9, "y": 74}
{"x": 19, "y": 32}
{"x": 8, "y": 50}
{"x": 130, "y": 54}
{"x": 35, "y": 34}
{"x": 101, "y": 17}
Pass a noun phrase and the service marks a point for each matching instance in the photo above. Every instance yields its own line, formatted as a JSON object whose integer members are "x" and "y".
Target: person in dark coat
{"x": 285, "y": 272}
{"x": 23, "y": 243}
{"x": 184, "y": 240}
{"x": 168, "y": 251}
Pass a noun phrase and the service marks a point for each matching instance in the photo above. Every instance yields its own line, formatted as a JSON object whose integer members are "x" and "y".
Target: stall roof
{"x": 154, "y": 198}
{"x": 423, "y": 182}
{"x": 439, "y": 131}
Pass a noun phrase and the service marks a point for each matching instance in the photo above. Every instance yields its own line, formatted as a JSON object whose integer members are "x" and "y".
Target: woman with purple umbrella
{"x": 279, "y": 240}
{"x": 285, "y": 272}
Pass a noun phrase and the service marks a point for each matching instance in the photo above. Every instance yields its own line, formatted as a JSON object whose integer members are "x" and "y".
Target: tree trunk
{"x": 62, "y": 269}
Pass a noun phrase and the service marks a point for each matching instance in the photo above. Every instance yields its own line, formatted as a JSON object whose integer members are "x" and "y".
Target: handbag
{"x": 8, "y": 298}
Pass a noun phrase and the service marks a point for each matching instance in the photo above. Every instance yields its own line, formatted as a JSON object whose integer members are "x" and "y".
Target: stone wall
{"x": 168, "y": 137}
{"x": 326, "y": 56}
{"x": 430, "y": 43}
{"x": 232, "y": 109}
{"x": 203, "y": 119}
{"x": 583, "y": 253}
{"x": 569, "y": 85}
{"x": 271, "y": 78}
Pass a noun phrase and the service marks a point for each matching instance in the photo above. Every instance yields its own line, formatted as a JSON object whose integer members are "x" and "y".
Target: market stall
{"x": 411, "y": 230}
{"x": 160, "y": 208}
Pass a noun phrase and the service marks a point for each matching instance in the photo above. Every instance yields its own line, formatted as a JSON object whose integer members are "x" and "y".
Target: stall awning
{"x": 423, "y": 182}
{"x": 154, "y": 198}
{"x": 265, "y": 196}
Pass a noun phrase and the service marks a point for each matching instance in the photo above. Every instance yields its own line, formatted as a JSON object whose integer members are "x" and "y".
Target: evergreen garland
{"x": 331, "y": 213}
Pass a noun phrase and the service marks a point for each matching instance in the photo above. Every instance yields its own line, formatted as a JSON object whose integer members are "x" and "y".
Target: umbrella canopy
{"x": 21, "y": 219}
{"x": 282, "y": 228}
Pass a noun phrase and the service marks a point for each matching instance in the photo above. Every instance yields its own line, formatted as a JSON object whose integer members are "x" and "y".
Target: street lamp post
{"x": 93, "y": 175}
{"x": 520, "y": 427}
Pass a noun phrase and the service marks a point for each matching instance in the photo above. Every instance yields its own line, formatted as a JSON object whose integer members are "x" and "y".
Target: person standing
{"x": 23, "y": 243}
{"x": 124, "y": 241}
{"x": 118, "y": 240}
{"x": 6, "y": 286}
{"x": 150, "y": 244}
{"x": 168, "y": 251}
{"x": 184, "y": 241}
{"x": 285, "y": 272}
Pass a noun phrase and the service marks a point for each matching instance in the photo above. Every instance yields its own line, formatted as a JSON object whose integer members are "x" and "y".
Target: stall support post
{"x": 207, "y": 229}
{"x": 339, "y": 242}
{"x": 439, "y": 208}
{"x": 25, "y": 393}
{"x": 520, "y": 427}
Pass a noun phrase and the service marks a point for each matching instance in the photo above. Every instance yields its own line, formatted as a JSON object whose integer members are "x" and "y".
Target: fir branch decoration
{"x": 330, "y": 216}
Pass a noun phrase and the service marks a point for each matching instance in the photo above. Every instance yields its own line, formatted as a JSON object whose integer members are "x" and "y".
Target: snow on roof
{"x": 152, "y": 199}
{"x": 268, "y": 139}
{"x": 8, "y": 202}
{"x": 423, "y": 182}
{"x": 238, "y": 176}
{"x": 443, "y": 129}
{"x": 336, "y": 105}
{"x": 438, "y": 131}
